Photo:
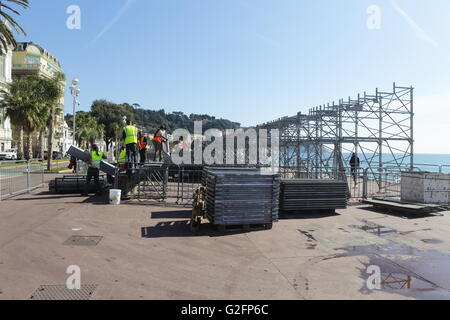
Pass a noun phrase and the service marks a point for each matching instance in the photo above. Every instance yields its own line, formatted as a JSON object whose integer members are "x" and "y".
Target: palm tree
{"x": 28, "y": 102}
{"x": 6, "y": 36}
{"x": 12, "y": 103}
{"x": 58, "y": 83}
{"x": 88, "y": 130}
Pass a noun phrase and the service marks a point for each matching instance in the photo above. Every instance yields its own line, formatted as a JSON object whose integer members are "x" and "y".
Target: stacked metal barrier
{"x": 241, "y": 196}
{"x": 73, "y": 185}
{"x": 301, "y": 195}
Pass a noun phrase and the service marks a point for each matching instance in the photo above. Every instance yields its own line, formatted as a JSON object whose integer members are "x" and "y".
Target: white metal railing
{"x": 17, "y": 177}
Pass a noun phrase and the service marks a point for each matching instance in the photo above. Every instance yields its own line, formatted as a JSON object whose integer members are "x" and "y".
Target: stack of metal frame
{"x": 303, "y": 194}
{"x": 241, "y": 196}
{"x": 73, "y": 185}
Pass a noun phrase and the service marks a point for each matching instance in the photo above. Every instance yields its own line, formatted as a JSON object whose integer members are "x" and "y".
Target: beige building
{"x": 28, "y": 59}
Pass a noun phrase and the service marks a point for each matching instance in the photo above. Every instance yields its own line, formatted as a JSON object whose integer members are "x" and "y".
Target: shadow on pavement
{"x": 179, "y": 229}
{"x": 178, "y": 214}
{"x": 313, "y": 214}
{"x": 45, "y": 198}
{"x": 403, "y": 215}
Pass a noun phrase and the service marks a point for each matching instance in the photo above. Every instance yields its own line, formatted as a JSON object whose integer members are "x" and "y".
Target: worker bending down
{"x": 94, "y": 169}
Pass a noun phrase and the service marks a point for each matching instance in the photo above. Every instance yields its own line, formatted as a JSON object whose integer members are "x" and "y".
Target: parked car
{"x": 55, "y": 155}
{"x": 9, "y": 154}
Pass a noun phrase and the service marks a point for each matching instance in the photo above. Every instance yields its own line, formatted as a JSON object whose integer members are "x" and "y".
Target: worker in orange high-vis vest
{"x": 158, "y": 140}
{"x": 130, "y": 136}
{"x": 142, "y": 145}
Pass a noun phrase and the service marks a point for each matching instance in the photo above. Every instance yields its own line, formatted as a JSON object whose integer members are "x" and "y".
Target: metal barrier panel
{"x": 386, "y": 183}
{"x": 361, "y": 183}
{"x": 150, "y": 183}
{"x": 182, "y": 183}
{"x": 35, "y": 175}
{"x": 17, "y": 177}
{"x": 189, "y": 181}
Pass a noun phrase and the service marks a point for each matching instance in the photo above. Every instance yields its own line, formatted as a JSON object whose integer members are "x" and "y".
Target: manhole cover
{"x": 376, "y": 229}
{"x": 61, "y": 292}
{"x": 83, "y": 241}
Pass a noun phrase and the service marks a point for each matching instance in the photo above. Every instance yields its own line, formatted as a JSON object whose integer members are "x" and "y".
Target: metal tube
{"x": 412, "y": 128}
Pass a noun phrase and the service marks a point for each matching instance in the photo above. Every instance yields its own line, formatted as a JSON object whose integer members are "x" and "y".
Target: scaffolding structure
{"x": 377, "y": 127}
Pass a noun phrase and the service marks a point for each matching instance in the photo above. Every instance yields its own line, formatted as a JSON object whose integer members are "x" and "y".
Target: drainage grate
{"x": 60, "y": 292}
{"x": 83, "y": 241}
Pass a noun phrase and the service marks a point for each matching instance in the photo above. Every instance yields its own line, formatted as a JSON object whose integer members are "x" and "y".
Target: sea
{"x": 429, "y": 162}
{"x": 422, "y": 161}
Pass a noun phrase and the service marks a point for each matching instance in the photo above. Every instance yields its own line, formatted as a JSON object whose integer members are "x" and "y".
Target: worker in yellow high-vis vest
{"x": 122, "y": 161}
{"x": 93, "y": 171}
{"x": 130, "y": 136}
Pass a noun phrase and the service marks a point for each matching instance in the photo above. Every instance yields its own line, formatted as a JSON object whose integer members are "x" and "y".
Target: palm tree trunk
{"x": 30, "y": 146}
{"x": 51, "y": 130}
{"x": 41, "y": 143}
{"x": 20, "y": 148}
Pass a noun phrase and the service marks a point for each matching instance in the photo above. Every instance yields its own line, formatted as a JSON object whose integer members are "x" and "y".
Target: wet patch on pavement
{"x": 312, "y": 242}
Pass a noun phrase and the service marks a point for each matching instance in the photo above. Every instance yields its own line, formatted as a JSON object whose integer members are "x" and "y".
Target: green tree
{"x": 111, "y": 116}
{"x": 12, "y": 103}
{"x": 28, "y": 101}
{"x": 7, "y": 39}
{"x": 88, "y": 129}
{"x": 58, "y": 84}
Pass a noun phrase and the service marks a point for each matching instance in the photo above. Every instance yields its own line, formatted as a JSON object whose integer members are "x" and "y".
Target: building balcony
{"x": 27, "y": 66}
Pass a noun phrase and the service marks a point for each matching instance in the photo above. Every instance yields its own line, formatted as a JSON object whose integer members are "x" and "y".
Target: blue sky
{"x": 251, "y": 60}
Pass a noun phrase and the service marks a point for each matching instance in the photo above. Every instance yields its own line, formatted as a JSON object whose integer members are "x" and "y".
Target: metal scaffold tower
{"x": 377, "y": 127}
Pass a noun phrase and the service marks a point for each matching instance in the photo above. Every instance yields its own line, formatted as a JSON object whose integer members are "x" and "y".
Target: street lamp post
{"x": 75, "y": 91}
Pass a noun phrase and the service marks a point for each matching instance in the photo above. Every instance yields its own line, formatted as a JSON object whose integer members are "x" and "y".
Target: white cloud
{"x": 117, "y": 17}
{"x": 431, "y": 124}
{"x": 420, "y": 33}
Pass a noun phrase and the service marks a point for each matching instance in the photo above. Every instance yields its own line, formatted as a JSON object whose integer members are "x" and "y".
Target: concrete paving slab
{"x": 148, "y": 252}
